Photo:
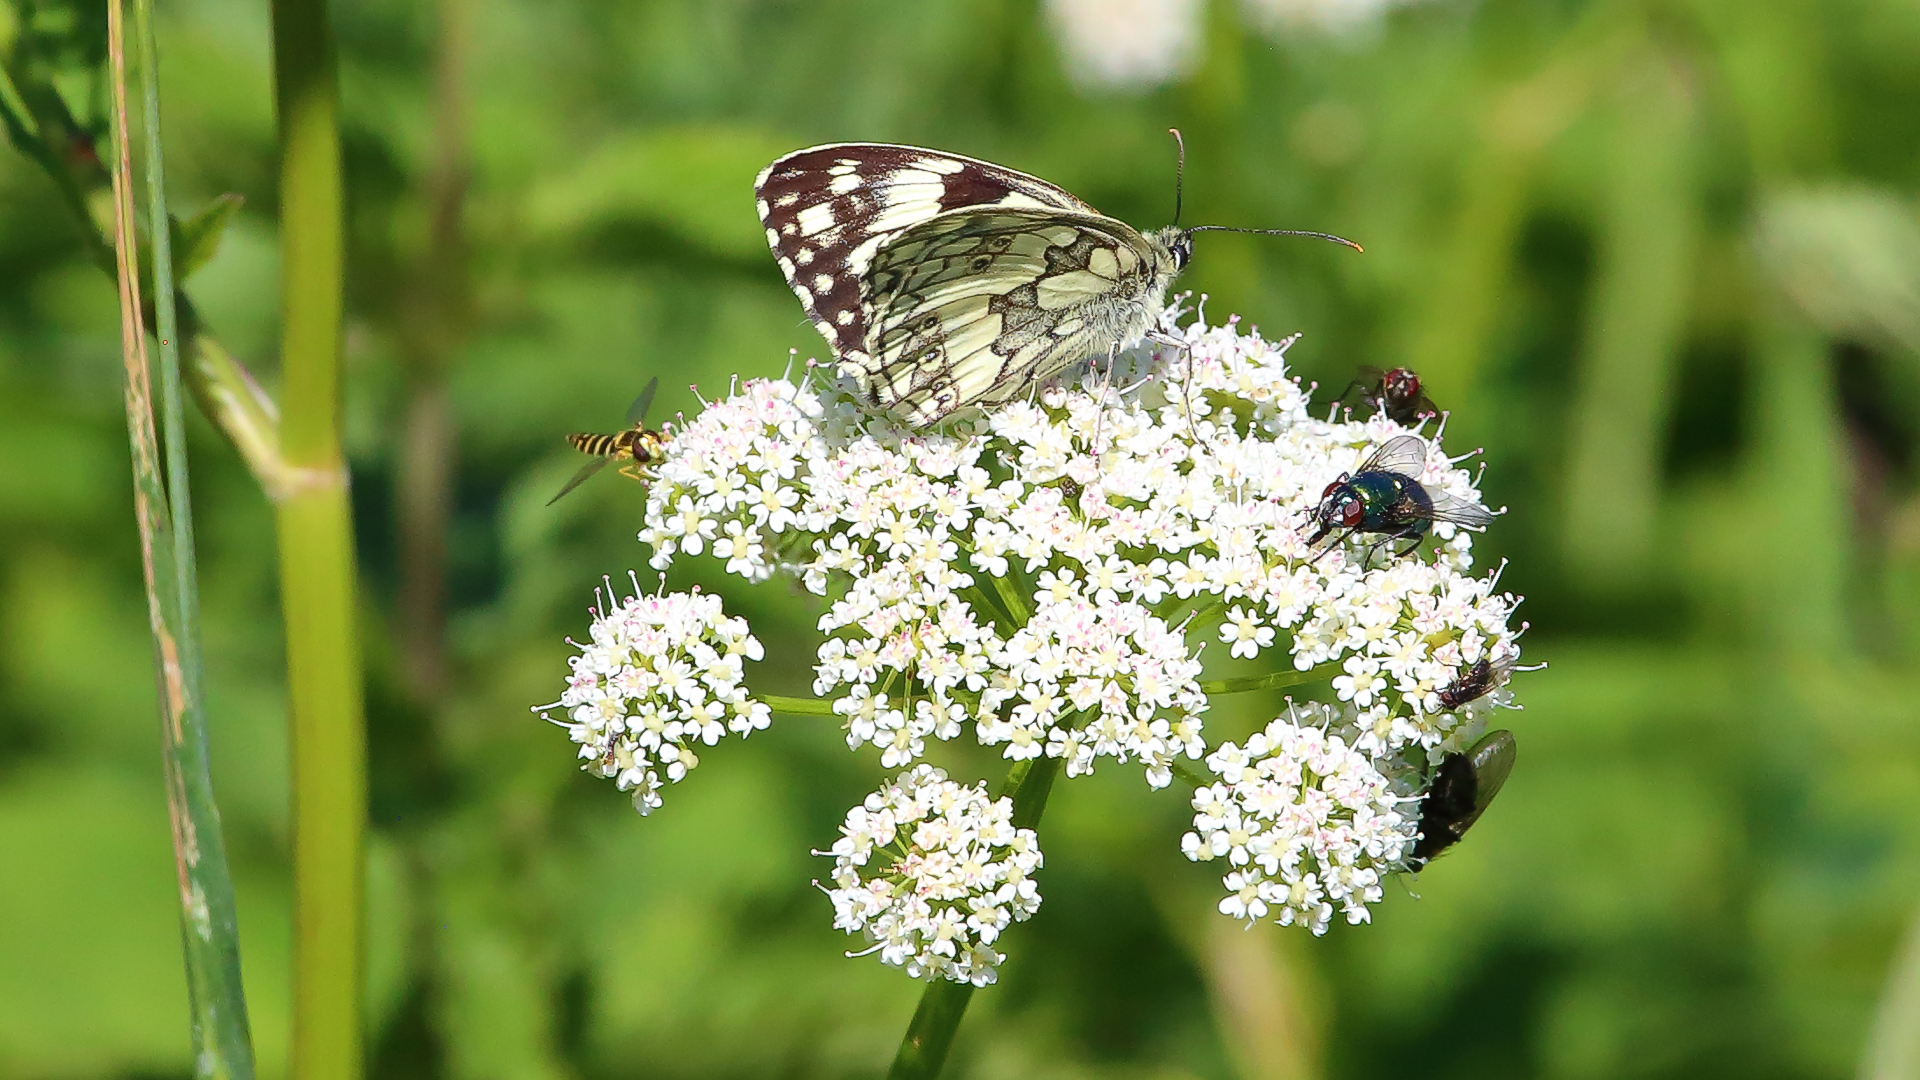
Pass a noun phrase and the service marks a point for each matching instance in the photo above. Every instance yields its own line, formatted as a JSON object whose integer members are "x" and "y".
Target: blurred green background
{"x": 1659, "y": 258}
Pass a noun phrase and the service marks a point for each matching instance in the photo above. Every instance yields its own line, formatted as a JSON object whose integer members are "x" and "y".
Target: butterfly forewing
{"x": 830, "y": 213}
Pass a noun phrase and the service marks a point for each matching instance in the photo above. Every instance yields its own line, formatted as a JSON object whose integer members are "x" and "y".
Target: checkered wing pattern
{"x": 828, "y": 210}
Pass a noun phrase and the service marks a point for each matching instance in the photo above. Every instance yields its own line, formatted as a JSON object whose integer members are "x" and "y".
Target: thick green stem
{"x": 209, "y": 929}
{"x": 316, "y": 559}
{"x": 930, "y": 1034}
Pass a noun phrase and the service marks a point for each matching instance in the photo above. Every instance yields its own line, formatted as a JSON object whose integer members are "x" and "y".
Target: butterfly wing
{"x": 974, "y": 306}
{"x": 828, "y": 211}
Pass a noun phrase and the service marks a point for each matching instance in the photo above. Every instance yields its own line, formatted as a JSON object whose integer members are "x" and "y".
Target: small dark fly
{"x": 1480, "y": 678}
{"x": 1396, "y": 393}
{"x": 639, "y": 445}
{"x": 1384, "y": 497}
{"x": 1462, "y": 787}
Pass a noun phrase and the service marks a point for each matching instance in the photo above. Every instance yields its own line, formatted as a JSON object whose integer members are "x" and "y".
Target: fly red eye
{"x": 1403, "y": 383}
{"x": 1351, "y": 513}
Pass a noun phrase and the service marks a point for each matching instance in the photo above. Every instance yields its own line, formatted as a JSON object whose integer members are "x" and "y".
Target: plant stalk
{"x": 216, "y": 998}
{"x": 316, "y": 559}
{"x": 944, "y": 1003}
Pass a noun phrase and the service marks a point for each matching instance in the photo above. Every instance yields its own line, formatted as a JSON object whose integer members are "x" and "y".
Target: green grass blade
{"x": 209, "y": 928}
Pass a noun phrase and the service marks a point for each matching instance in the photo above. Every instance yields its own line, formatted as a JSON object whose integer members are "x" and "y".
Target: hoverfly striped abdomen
{"x": 599, "y": 445}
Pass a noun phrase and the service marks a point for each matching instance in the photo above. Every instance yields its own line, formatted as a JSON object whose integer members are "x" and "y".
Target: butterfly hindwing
{"x": 829, "y": 210}
{"x": 974, "y": 306}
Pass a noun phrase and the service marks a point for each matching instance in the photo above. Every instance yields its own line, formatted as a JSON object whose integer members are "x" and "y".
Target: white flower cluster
{"x": 1191, "y": 520}
{"x": 1047, "y": 575}
{"x": 932, "y": 871}
{"x": 659, "y": 675}
{"x": 1306, "y": 821}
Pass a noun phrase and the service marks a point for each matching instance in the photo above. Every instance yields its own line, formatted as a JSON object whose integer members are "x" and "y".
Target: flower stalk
{"x": 164, "y": 515}
{"x": 317, "y": 559}
{"x": 943, "y": 1004}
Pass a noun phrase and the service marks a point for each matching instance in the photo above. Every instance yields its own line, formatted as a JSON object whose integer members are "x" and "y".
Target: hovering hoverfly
{"x": 641, "y": 445}
{"x": 1396, "y": 394}
{"x": 1480, "y": 678}
{"x": 1385, "y": 497}
{"x": 1462, "y": 787}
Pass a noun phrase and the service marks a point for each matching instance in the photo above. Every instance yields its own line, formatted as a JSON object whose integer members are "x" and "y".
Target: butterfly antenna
{"x": 1279, "y": 232}
{"x": 1179, "y": 171}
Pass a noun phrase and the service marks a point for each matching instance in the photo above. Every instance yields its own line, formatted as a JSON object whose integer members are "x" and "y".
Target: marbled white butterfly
{"x": 944, "y": 282}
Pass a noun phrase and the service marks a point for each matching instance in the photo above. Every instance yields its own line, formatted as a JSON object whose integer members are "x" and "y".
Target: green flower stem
{"x": 1273, "y": 680}
{"x": 225, "y": 391}
{"x": 796, "y": 706}
{"x": 1187, "y": 776}
{"x": 1016, "y": 604}
{"x": 316, "y": 559}
{"x": 209, "y": 930}
{"x": 944, "y": 1003}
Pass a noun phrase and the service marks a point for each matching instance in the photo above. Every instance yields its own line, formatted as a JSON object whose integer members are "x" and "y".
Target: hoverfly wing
{"x": 1457, "y": 510}
{"x": 1403, "y": 454}
{"x": 580, "y": 477}
{"x": 637, "y": 412}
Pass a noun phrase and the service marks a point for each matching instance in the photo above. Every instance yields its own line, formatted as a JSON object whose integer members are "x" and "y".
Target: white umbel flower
{"x": 659, "y": 676}
{"x": 1051, "y": 571}
{"x": 932, "y": 871}
{"x": 1047, "y": 575}
{"x": 1307, "y": 823}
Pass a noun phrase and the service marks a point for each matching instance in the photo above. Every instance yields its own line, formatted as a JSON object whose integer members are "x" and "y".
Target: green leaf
{"x": 196, "y": 240}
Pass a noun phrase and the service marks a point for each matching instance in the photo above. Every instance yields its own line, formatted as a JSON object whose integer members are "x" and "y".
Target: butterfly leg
{"x": 1100, "y": 399}
{"x": 1186, "y": 380}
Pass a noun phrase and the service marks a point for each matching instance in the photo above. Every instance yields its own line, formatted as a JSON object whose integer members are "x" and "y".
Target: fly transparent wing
{"x": 1459, "y": 511}
{"x": 1403, "y": 454}
{"x": 580, "y": 477}
{"x": 637, "y": 412}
